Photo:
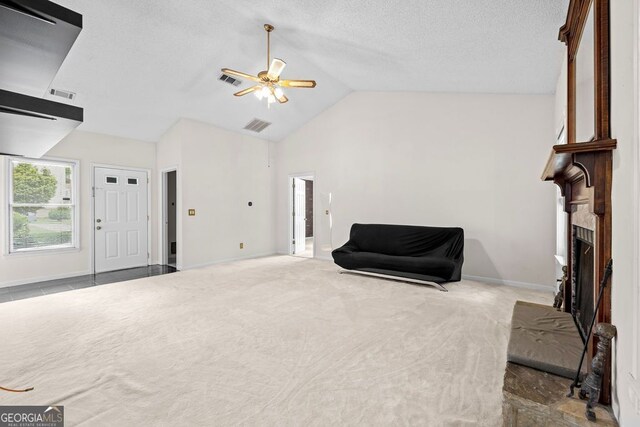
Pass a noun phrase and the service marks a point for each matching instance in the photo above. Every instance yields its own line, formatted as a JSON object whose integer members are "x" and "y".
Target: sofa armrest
{"x": 347, "y": 248}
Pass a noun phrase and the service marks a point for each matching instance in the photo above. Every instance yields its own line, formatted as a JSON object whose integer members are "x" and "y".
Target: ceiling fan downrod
{"x": 268, "y": 28}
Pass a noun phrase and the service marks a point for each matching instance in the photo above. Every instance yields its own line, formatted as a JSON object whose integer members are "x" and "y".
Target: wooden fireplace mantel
{"x": 588, "y": 161}
{"x": 563, "y": 155}
{"x": 583, "y": 170}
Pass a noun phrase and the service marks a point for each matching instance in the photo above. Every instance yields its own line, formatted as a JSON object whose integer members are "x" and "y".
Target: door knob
{"x": 98, "y": 220}
{"x": 98, "y": 228}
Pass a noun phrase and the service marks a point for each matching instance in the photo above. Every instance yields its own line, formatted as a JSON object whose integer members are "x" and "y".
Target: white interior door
{"x": 121, "y": 216}
{"x": 299, "y": 209}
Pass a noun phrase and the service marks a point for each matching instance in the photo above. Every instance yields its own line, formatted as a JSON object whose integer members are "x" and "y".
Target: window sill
{"x": 35, "y": 252}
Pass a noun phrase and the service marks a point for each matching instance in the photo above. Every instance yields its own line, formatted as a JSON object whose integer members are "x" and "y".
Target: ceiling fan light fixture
{"x": 275, "y": 69}
{"x": 264, "y": 92}
{"x": 271, "y": 98}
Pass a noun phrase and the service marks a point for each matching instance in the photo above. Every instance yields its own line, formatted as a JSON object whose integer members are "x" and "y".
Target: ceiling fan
{"x": 268, "y": 82}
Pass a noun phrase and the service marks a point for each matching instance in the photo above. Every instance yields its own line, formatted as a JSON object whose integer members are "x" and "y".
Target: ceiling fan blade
{"x": 248, "y": 90}
{"x": 298, "y": 83}
{"x": 240, "y": 74}
{"x": 279, "y": 94}
{"x": 275, "y": 69}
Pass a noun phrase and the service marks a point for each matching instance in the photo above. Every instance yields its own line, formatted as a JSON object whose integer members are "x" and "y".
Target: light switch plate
{"x": 192, "y": 212}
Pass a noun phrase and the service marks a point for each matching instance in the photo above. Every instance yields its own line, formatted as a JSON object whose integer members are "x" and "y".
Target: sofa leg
{"x": 396, "y": 278}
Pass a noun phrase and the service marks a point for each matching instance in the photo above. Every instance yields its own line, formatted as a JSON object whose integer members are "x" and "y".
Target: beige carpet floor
{"x": 277, "y": 341}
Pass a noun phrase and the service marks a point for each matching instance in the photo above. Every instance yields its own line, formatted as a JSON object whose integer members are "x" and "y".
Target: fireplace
{"x": 582, "y": 286}
{"x": 582, "y": 168}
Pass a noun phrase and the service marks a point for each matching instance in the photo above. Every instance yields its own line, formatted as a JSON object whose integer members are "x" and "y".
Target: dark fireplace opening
{"x": 583, "y": 284}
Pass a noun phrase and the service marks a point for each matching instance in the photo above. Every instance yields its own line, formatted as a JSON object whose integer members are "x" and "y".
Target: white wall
{"x": 219, "y": 172}
{"x": 625, "y": 287}
{"x": 88, "y": 148}
{"x": 433, "y": 159}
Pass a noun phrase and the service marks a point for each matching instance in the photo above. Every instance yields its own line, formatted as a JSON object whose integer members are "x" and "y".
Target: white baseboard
{"x": 221, "y": 261}
{"x": 43, "y": 278}
{"x": 320, "y": 257}
{"x": 514, "y": 283}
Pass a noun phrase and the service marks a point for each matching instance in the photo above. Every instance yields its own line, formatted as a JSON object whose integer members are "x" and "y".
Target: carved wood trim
{"x": 583, "y": 170}
{"x": 563, "y": 156}
{"x": 598, "y": 145}
{"x": 602, "y": 74}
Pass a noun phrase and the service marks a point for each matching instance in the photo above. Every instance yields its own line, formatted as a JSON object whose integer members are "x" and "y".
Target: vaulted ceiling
{"x": 138, "y": 66}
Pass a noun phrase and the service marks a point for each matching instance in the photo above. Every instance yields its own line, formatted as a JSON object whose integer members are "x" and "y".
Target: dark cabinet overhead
{"x": 30, "y": 126}
{"x": 35, "y": 38}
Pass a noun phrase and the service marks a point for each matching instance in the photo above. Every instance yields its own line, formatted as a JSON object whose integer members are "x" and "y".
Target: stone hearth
{"x": 533, "y": 398}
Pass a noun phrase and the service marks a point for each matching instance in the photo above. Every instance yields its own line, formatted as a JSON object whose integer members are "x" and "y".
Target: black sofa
{"x": 424, "y": 254}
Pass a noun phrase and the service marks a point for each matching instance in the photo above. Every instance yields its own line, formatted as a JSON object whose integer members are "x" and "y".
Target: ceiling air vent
{"x": 62, "y": 93}
{"x": 228, "y": 79}
{"x": 257, "y": 125}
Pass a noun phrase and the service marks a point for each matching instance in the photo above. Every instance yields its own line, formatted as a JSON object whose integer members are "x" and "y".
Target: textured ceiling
{"x": 140, "y": 65}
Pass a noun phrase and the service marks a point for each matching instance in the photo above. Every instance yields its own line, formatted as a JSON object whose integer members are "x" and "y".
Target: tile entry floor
{"x": 31, "y": 290}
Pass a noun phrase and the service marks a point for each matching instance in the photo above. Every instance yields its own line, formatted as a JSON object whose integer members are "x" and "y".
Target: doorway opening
{"x": 301, "y": 229}
{"x": 170, "y": 200}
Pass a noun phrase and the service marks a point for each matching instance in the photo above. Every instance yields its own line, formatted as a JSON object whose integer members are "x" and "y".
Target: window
{"x": 42, "y": 205}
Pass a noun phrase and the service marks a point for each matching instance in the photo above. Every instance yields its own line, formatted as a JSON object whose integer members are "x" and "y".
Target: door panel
{"x": 133, "y": 243}
{"x": 133, "y": 206}
{"x": 120, "y": 229}
{"x": 111, "y": 206}
{"x": 299, "y": 233}
{"x": 309, "y": 206}
{"x": 111, "y": 244}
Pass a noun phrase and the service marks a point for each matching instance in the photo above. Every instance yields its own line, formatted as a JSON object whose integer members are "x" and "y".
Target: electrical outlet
{"x": 241, "y": 245}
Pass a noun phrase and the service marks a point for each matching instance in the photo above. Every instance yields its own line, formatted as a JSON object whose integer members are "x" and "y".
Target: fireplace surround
{"x": 582, "y": 169}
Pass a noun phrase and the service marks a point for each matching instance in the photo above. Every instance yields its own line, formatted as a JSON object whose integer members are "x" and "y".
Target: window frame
{"x": 74, "y": 205}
